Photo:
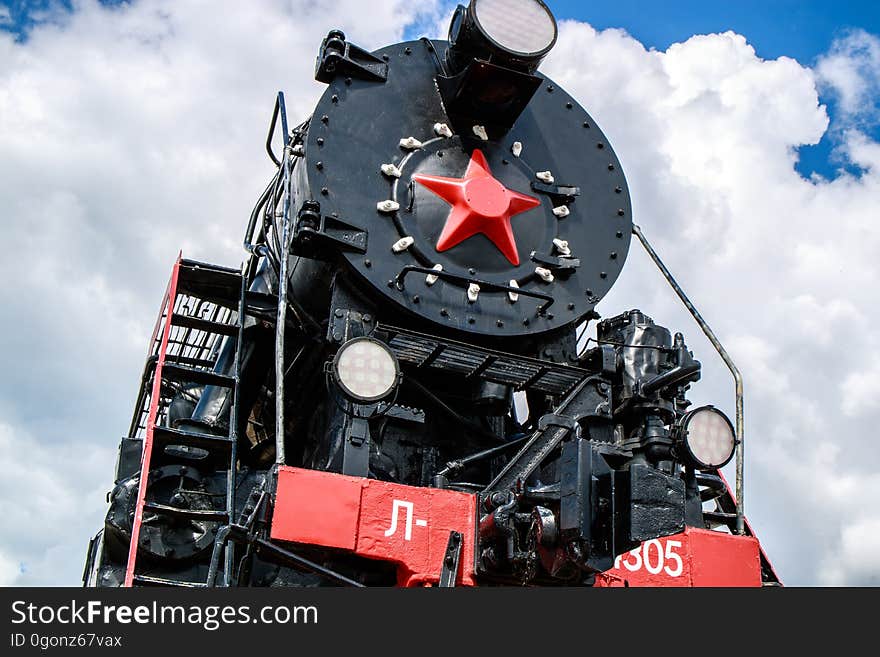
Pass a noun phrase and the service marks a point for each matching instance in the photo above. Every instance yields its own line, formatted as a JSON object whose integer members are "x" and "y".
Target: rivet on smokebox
{"x": 430, "y": 279}
{"x": 513, "y": 296}
{"x": 545, "y": 177}
{"x": 480, "y": 131}
{"x": 516, "y": 149}
{"x": 402, "y": 244}
{"x": 391, "y": 171}
{"x": 562, "y": 246}
{"x": 410, "y": 143}
{"x": 561, "y": 211}
{"x": 545, "y": 274}
{"x": 473, "y": 292}
{"x": 442, "y": 130}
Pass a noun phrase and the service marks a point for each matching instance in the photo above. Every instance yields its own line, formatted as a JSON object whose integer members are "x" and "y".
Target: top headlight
{"x": 521, "y": 27}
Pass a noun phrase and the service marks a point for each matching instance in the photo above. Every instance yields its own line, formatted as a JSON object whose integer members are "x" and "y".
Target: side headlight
{"x": 366, "y": 370}
{"x": 708, "y": 440}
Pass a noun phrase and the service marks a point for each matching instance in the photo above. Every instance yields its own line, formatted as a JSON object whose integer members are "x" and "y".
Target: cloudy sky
{"x": 750, "y": 142}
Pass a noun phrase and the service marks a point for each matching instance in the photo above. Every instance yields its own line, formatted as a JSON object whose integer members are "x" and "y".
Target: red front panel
{"x": 696, "y": 557}
{"x": 312, "y": 507}
{"x": 390, "y": 522}
{"x": 410, "y": 526}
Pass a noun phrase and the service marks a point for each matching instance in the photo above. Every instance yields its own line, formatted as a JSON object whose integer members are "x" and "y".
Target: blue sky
{"x": 801, "y": 29}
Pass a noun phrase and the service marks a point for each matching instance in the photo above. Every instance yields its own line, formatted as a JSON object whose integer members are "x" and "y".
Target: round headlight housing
{"x": 520, "y": 27}
{"x": 708, "y": 440}
{"x": 516, "y": 34}
{"x": 366, "y": 370}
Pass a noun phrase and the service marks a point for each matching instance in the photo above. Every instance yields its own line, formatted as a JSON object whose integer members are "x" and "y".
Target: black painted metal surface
{"x": 357, "y": 127}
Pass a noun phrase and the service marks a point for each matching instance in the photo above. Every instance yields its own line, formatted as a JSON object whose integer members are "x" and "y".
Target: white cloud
{"x": 126, "y": 133}
{"x": 781, "y": 266}
{"x": 851, "y": 70}
{"x": 130, "y": 132}
{"x": 850, "y": 74}
{"x": 859, "y": 389}
{"x": 859, "y": 559}
{"x": 52, "y": 497}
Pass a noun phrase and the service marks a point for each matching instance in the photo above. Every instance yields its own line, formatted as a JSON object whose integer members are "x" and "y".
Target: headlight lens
{"x": 365, "y": 369}
{"x": 524, "y": 27}
{"x": 707, "y": 437}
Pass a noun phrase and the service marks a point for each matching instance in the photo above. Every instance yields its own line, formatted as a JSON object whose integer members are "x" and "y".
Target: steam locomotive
{"x": 395, "y": 387}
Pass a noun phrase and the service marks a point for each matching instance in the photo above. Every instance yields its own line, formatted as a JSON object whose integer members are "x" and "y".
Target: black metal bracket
{"x": 267, "y": 549}
{"x": 465, "y": 281}
{"x": 356, "y": 452}
{"x": 590, "y": 398}
{"x": 316, "y": 234}
{"x": 350, "y": 314}
{"x": 687, "y": 369}
{"x": 339, "y": 57}
{"x": 345, "y": 324}
{"x": 245, "y": 533}
{"x": 564, "y": 421}
{"x": 451, "y": 560}
{"x": 469, "y": 97}
{"x": 560, "y": 193}
{"x": 559, "y": 264}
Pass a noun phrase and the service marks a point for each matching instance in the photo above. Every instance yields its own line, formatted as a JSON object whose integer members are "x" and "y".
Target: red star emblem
{"x": 480, "y": 204}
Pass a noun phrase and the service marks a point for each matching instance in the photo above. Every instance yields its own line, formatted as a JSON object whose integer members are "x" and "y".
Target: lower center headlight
{"x": 366, "y": 369}
{"x": 707, "y": 438}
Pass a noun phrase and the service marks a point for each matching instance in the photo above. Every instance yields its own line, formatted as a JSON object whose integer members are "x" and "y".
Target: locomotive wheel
{"x": 165, "y": 538}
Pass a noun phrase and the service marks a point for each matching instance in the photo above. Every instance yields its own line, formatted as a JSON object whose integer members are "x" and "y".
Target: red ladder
{"x": 203, "y": 306}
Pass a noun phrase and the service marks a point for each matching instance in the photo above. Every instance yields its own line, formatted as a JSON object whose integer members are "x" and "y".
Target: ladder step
{"x": 174, "y": 359}
{"x": 210, "y": 282}
{"x": 148, "y": 580}
{"x": 199, "y": 324}
{"x": 188, "y": 360}
{"x": 207, "y": 515}
{"x": 190, "y": 375}
{"x": 719, "y": 517}
{"x": 164, "y": 436}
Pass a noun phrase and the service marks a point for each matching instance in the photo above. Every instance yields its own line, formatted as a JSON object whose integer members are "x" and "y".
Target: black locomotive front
{"x": 444, "y": 225}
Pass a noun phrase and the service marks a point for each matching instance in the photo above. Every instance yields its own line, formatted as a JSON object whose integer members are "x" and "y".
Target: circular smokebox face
{"x": 484, "y": 233}
{"x": 523, "y": 27}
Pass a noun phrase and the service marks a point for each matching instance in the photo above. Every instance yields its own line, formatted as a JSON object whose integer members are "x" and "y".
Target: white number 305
{"x": 652, "y": 557}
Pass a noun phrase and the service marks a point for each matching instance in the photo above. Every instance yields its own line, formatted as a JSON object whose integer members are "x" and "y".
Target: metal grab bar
{"x": 281, "y": 109}
{"x": 281, "y": 322}
{"x": 737, "y": 377}
{"x": 465, "y": 280}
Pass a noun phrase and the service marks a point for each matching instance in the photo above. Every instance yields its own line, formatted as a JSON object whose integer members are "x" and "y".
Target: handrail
{"x": 281, "y": 322}
{"x": 737, "y": 377}
{"x": 465, "y": 280}
{"x": 281, "y": 109}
